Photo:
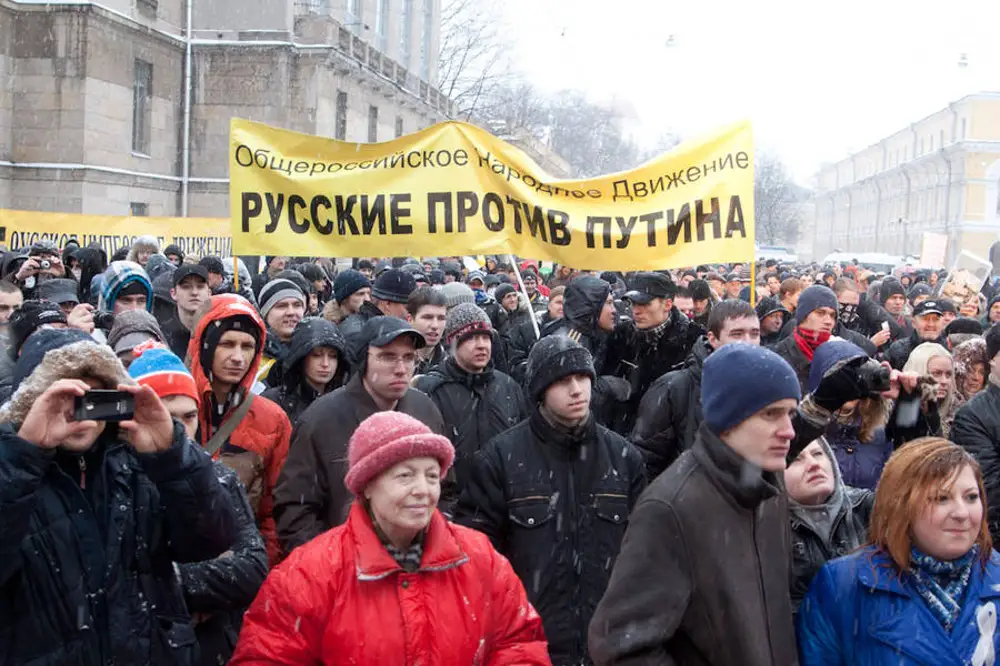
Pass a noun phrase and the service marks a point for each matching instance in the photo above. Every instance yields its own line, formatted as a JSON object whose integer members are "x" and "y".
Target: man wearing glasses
{"x": 311, "y": 496}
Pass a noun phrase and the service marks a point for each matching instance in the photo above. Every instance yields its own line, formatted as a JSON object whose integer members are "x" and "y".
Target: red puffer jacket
{"x": 342, "y": 599}
{"x": 258, "y": 447}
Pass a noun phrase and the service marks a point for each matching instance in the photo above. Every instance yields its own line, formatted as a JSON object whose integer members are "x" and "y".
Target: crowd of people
{"x": 424, "y": 461}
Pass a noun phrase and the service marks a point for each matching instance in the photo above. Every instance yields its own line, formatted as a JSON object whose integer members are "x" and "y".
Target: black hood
{"x": 92, "y": 262}
{"x": 583, "y": 302}
{"x": 310, "y": 333}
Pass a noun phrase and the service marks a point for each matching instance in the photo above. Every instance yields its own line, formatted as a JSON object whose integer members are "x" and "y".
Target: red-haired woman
{"x": 926, "y": 588}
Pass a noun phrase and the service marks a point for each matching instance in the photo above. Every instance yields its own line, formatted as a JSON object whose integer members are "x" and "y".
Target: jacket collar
{"x": 740, "y": 480}
{"x": 373, "y": 562}
{"x": 451, "y": 370}
{"x": 912, "y": 629}
{"x": 559, "y": 437}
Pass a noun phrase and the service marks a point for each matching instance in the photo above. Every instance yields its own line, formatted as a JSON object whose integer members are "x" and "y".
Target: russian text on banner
{"x": 198, "y": 236}
{"x": 455, "y": 189}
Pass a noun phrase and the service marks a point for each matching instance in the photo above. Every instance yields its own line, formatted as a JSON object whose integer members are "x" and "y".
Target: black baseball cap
{"x": 647, "y": 286}
{"x": 929, "y": 306}
{"x": 187, "y": 270}
{"x": 381, "y": 331}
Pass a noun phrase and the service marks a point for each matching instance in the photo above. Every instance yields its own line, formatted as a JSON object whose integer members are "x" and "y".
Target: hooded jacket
{"x": 475, "y": 407}
{"x": 295, "y": 393}
{"x": 143, "y": 243}
{"x": 703, "y": 573}
{"x": 859, "y": 462}
{"x": 311, "y": 496}
{"x": 556, "y": 504}
{"x": 257, "y": 448}
{"x": 90, "y": 540}
{"x": 118, "y": 275}
{"x": 670, "y": 413}
{"x": 827, "y": 531}
{"x": 343, "y": 599}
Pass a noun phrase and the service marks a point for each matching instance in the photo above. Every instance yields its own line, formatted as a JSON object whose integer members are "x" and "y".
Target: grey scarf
{"x": 821, "y": 518}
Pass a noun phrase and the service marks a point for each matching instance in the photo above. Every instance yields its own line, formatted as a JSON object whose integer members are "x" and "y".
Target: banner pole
{"x": 236, "y": 274}
{"x": 517, "y": 272}
{"x": 753, "y": 283}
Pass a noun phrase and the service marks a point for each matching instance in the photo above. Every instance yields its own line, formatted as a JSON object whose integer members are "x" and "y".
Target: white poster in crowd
{"x": 966, "y": 278}
{"x": 933, "y": 249}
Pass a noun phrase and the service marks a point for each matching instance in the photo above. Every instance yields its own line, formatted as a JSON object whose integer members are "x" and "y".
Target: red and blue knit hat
{"x": 160, "y": 369}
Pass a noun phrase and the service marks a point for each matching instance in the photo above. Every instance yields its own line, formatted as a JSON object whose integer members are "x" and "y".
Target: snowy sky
{"x": 817, "y": 83}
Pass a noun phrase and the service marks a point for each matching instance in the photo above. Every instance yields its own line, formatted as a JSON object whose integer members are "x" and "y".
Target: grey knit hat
{"x": 276, "y": 291}
{"x": 464, "y": 320}
{"x": 132, "y": 328}
{"x": 455, "y": 293}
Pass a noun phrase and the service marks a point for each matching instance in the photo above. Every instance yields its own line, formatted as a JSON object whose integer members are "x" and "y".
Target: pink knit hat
{"x": 385, "y": 439}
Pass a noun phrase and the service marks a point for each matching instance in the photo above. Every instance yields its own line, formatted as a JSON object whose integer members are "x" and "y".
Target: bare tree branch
{"x": 776, "y": 201}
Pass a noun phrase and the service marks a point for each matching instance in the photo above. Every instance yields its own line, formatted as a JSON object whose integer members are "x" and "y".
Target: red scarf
{"x": 809, "y": 340}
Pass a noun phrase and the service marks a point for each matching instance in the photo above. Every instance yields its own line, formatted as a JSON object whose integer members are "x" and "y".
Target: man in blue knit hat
{"x": 703, "y": 572}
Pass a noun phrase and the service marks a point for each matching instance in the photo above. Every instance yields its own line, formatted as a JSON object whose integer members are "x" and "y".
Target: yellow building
{"x": 939, "y": 174}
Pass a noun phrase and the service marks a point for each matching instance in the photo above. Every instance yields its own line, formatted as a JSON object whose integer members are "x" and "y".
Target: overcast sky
{"x": 817, "y": 84}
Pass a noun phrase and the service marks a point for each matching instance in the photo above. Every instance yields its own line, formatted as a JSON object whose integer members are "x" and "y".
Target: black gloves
{"x": 841, "y": 384}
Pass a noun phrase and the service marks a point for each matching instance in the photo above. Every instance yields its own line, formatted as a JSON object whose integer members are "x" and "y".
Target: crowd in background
{"x": 459, "y": 460}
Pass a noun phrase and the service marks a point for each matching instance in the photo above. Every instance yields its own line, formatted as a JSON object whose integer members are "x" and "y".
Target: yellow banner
{"x": 455, "y": 189}
{"x": 198, "y": 236}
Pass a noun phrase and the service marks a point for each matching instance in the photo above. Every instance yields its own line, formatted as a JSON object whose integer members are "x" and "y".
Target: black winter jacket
{"x": 223, "y": 588}
{"x": 294, "y": 393}
{"x": 351, "y": 327}
{"x": 556, "y": 505}
{"x": 86, "y": 568}
{"x": 476, "y": 408}
{"x": 900, "y": 350}
{"x": 645, "y": 356}
{"x": 977, "y": 429}
{"x": 670, "y": 413}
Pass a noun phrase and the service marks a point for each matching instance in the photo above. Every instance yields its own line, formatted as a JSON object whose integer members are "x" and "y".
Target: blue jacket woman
{"x": 926, "y": 591}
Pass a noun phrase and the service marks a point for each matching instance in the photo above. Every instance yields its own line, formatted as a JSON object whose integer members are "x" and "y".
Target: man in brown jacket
{"x": 311, "y": 496}
{"x": 703, "y": 573}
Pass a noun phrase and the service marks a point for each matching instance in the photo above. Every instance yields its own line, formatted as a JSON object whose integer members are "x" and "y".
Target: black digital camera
{"x": 874, "y": 377}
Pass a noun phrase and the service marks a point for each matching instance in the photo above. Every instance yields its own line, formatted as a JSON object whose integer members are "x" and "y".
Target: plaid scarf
{"x": 942, "y": 584}
{"x": 653, "y": 335}
{"x": 407, "y": 558}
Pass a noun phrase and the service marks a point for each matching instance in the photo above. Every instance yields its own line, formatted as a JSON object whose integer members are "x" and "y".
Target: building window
{"x": 406, "y": 32}
{"x": 963, "y": 129}
{"x": 142, "y": 106}
{"x": 340, "y": 129}
{"x": 382, "y": 25}
{"x": 138, "y": 209}
{"x": 425, "y": 40}
{"x": 399, "y": 126}
{"x": 354, "y": 10}
{"x": 372, "y": 124}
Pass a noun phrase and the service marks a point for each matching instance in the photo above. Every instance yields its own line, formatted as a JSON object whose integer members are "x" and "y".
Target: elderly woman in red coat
{"x": 396, "y": 584}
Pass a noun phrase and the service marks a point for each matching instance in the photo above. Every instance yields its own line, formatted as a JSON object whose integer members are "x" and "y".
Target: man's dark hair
{"x": 728, "y": 309}
{"x": 365, "y": 264}
{"x": 771, "y": 262}
{"x": 683, "y": 292}
{"x": 845, "y": 284}
{"x": 213, "y": 265}
{"x": 769, "y": 275}
{"x": 424, "y": 296}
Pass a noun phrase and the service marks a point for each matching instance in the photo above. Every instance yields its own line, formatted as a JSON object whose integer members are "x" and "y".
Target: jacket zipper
{"x": 574, "y": 530}
{"x": 83, "y": 473}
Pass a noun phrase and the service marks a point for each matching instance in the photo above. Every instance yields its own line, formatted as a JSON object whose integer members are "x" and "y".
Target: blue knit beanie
{"x": 814, "y": 297}
{"x": 739, "y": 380}
{"x": 347, "y": 283}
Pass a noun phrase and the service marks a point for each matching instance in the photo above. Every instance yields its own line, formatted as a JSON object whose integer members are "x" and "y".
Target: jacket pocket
{"x": 175, "y": 641}
{"x": 530, "y": 512}
{"x": 611, "y": 507}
